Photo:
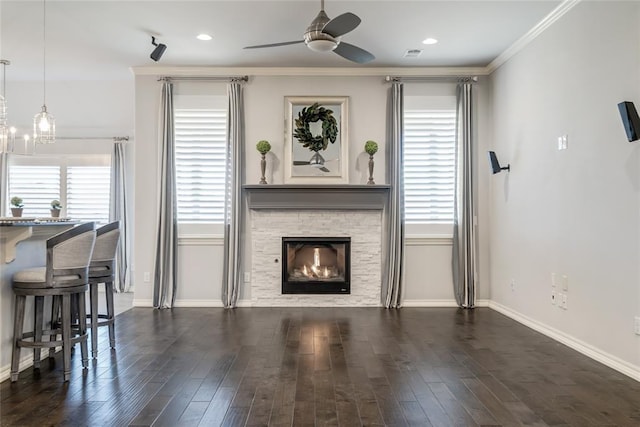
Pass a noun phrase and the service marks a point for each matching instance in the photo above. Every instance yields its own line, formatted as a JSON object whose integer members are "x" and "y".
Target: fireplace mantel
{"x": 317, "y": 197}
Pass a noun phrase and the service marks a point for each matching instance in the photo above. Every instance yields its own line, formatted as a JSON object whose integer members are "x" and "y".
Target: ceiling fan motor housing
{"x": 315, "y": 39}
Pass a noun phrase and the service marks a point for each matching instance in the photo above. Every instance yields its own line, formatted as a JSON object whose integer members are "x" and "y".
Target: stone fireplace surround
{"x": 354, "y": 211}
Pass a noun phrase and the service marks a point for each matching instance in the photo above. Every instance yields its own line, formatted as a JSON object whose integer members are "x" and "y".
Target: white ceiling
{"x": 101, "y": 40}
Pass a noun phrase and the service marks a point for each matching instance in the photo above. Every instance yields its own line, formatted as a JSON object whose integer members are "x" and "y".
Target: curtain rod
{"x": 205, "y": 78}
{"x": 458, "y": 79}
{"x": 100, "y": 138}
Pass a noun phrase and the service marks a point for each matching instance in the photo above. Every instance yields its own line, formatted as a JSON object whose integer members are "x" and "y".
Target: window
{"x": 37, "y": 186}
{"x": 88, "y": 190}
{"x": 200, "y": 150}
{"x": 429, "y": 165}
{"x": 81, "y": 183}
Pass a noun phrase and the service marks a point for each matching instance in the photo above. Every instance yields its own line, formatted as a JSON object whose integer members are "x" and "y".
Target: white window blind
{"x": 88, "y": 190}
{"x": 429, "y": 156}
{"x": 80, "y": 182}
{"x": 200, "y": 152}
{"x": 37, "y": 186}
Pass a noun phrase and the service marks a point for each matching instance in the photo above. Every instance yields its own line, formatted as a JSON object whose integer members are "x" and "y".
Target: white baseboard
{"x": 25, "y": 362}
{"x": 248, "y": 303}
{"x": 588, "y": 350}
{"x": 142, "y": 303}
{"x": 185, "y": 303}
{"x": 192, "y": 303}
{"x": 439, "y": 303}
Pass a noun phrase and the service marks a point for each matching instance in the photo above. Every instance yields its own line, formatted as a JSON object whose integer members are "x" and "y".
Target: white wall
{"x": 429, "y": 265}
{"x": 81, "y": 108}
{"x": 573, "y": 212}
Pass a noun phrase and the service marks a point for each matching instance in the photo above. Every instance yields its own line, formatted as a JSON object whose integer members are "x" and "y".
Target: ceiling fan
{"x": 323, "y": 35}
{"x": 316, "y": 161}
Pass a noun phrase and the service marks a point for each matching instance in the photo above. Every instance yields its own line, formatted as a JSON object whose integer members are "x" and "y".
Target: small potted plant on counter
{"x": 16, "y": 206}
{"x": 55, "y": 208}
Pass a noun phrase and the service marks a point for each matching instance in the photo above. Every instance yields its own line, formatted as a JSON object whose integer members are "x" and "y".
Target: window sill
{"x": 200, "y": 240}
{"x": 428, "y": 240}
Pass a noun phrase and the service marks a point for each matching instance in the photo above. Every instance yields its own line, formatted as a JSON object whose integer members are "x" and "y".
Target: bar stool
{"x": 101, "y": 270}
{"x": 66, "y": 274}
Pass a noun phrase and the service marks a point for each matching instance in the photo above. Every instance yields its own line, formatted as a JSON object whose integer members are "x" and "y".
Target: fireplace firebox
{"x": 316, "y": 265}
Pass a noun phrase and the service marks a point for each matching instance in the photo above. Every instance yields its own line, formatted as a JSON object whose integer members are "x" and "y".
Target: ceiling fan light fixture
{"x": 322, "y": 45}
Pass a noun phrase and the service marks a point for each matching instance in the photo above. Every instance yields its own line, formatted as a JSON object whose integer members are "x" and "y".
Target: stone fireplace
{"x": 347, "y": 213}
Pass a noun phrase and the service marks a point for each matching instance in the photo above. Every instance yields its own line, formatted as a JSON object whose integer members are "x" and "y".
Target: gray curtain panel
{"x": 464, "y": 237}
{"x": 165, "y": 285}
{"x": 233, "y": 205}
{"x": 394, "y": 241}
{"x": 118, "y": 212}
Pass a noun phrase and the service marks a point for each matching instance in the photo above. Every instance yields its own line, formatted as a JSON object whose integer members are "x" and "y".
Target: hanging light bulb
{"x": 44, "y": 125}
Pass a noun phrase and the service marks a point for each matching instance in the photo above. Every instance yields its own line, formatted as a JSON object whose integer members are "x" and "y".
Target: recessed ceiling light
{"x": 204, "y": 37}
{"x": 430, "y": 41}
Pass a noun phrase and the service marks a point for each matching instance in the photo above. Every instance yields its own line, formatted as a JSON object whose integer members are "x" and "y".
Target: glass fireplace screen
{"x": 315, "y": 265}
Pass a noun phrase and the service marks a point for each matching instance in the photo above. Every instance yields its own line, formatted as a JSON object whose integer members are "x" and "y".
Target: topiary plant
{"x": 55, "y": 204}
{"x": 371, "y": 147}
{"x": 16, "y": 202}
{"x": 263, "y": 146}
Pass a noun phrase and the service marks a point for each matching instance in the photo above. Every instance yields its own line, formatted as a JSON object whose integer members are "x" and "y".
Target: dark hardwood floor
{"x": 324, "y": 367}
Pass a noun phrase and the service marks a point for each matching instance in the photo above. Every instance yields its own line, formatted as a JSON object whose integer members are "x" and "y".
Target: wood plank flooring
{"x": 324, "y": 367}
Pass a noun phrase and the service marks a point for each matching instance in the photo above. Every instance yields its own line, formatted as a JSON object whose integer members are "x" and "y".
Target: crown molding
{"x": 531, "y": 35}
{"x": 179, "y": 71}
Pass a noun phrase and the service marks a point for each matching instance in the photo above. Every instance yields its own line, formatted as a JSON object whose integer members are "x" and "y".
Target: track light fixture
{"x": 158, "y": 51}
{"x": 495, "y": 165}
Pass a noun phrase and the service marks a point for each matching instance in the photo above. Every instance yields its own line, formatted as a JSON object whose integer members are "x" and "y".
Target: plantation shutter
{"x": 37, "y": 186}
{"x": 200, "y": 152}
{"x": 88, "y": 190}
{"x": 429, "y": 161}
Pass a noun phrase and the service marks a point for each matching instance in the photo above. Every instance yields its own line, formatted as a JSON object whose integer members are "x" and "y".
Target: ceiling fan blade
{"x": 260, "y": 46}
{"x": 341, "y": 25}
{"x": 353, "y": 53}
{"x": 300, "y": 163}
{"x": 323, "y": 169}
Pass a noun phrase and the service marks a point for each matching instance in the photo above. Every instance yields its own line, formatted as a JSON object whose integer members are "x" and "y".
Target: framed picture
{"x": 316, "y": 140}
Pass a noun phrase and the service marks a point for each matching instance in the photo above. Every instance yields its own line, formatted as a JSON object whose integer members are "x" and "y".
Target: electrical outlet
{"x": 247, "y": 277}
{"x": 563, "y": 302}
{"x": 563, "y": 142}
{"x": 636, "y": 326}
{"x": 147, "y": 277}
{"x": 554, "y": 298}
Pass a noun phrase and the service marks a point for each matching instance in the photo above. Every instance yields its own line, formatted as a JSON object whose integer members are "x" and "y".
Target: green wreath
{"x": 312, "y": 114}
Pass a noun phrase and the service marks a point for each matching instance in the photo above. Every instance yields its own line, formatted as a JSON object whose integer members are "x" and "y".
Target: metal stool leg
{"x": 55, "y": 322}
{"x": 108, "y": 288}
{"x": 82, "y": 328}
{"x": 93, "y": 301}
{"x": 66, "y": 337}
{"x": 18, "y": 322}
{"x": 38, "y": 319}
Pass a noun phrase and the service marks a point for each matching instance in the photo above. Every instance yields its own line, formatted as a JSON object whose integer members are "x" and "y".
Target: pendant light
{"x": 7, "y": 133}
{"x": 44, "y": 125}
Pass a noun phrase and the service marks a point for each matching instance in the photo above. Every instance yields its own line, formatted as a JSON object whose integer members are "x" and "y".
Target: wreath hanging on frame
{"x": 312, "y": 114}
